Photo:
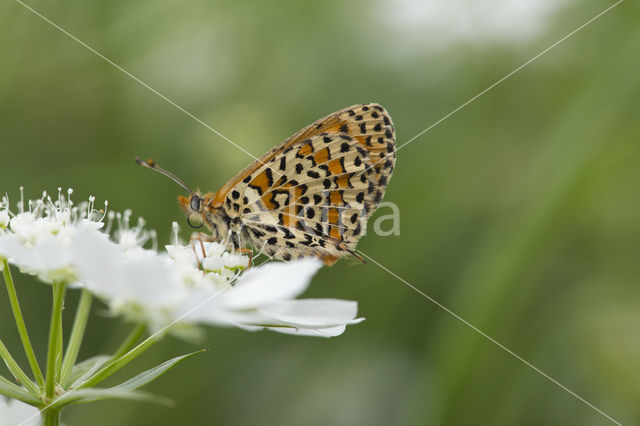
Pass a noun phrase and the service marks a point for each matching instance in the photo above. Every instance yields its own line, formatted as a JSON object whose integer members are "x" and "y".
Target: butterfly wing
{"x": 313, "y": 193}
{"x": 370, "y": 125}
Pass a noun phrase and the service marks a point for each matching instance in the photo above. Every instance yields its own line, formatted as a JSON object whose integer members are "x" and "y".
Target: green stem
{"x": 118, "y": 363}
{"x": 17, "y": 372}
{"x": 77, "y": 333}
{"x": 59, "y": 349}
{"x": 16, "y": 392}
{"x": 55, "y": 348}
{"x": 130, "y": 341}
{"x": 51, "y": 417}
{"x": 22, "y": 329}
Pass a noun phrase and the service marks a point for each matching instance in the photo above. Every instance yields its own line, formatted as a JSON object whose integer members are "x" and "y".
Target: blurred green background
{"x": 520, "y": 212}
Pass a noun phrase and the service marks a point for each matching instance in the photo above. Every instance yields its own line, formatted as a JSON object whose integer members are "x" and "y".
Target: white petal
{"x": 49, "y": 258}
{"x": 14, "y": 412}
{"x": 213, "y": 263}
{"x": 322, "y": 332}
{"x": 181, "y": 254}
{"x": 272, "y": 282}
{"x": 138, "y": 284}
{"x": 10, "y": 247}
{"x": 314, "y": 313}
{"x": 202, "y": 305}
{"x": 4, "y": 219}
{"x": 147, "y": 281}
{"x": 95, "y": 260}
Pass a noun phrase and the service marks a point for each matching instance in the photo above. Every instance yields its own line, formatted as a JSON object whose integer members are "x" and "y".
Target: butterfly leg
{"x": 200, "y": 237}
{"x": 352, "y": 252}
{"x": 249, "y": 253}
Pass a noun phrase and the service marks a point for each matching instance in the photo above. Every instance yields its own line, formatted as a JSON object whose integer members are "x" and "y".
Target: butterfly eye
{"x": 195, "y": 203}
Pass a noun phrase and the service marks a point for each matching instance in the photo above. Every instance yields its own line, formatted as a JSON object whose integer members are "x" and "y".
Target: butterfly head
{"x": 193, "y": 207}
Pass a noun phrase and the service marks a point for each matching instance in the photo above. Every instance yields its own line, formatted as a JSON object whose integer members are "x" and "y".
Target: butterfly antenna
{"x": 150, "y": 164}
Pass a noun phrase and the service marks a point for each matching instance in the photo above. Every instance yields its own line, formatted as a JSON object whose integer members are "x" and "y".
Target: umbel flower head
{"x": 39, "y": 239}
{"x": 201, "y": 283}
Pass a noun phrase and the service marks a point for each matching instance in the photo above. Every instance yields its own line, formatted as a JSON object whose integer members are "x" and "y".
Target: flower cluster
{"x": 198, "y": 283}
{"x": 40, "y": 239}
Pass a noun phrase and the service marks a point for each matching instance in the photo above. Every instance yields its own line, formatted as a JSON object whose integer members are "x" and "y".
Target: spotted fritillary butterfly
{"x": 309, "y": 196}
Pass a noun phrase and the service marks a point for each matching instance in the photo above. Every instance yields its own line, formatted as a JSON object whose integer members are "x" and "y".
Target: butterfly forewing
{"x": 312, "y": 194}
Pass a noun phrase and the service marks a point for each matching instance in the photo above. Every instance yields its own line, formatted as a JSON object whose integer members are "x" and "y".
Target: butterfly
{"x": 311, "y": 195}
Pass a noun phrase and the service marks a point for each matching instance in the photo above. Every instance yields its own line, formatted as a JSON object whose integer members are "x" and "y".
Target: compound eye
{"x": 195, "y": 203}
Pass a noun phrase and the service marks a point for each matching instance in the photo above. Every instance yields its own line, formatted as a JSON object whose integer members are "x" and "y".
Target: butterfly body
{"x": 309, "y": 196}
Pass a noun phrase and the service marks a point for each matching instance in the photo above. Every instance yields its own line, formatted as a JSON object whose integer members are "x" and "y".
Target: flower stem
{"x": 16, "y": 392}
{"x": 130, "y": 341}
{"x": 55, "y": 346}
{"x": 17, "y": 372}
{"x": 59, "y": 348}
{"x": 51, "y": 417}
{"x": 22, "y": 329}
{"x": 117, "y": 363}
{"x": 77, "y": 333}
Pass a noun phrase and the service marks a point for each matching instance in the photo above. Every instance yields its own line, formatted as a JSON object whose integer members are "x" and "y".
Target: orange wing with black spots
{"x": 313, "y": 194}
{"x": 369, "y": 124}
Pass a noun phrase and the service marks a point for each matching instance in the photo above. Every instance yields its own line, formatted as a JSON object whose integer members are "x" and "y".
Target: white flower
{"x": 39, "y": 240}
{"x": 186, "y": 286}
{"x": 264, "y": 298}
{"x": 14, "y": 412}
{"x": 131, "y": 238}
{"x": 4, "y": 219}
{"x": 181, "y": 288}
{"x": 137, "y": 284}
